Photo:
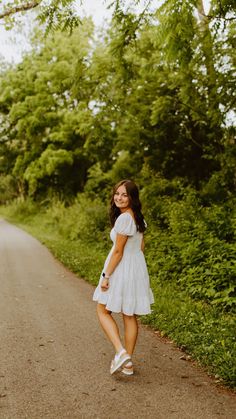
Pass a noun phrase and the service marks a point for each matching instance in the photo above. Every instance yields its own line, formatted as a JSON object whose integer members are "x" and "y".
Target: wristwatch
{"x": 105, "y": 276}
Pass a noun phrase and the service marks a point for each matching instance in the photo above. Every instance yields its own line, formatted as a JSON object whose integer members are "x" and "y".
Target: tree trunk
{"x": 207, "y": 48}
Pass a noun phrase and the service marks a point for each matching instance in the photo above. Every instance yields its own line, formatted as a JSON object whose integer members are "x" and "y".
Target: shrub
{"x": 85, "y": 219}
{"x": 8, "y": 188}
{"x": 194, "y": 246}
{"x": 21, "y": 208}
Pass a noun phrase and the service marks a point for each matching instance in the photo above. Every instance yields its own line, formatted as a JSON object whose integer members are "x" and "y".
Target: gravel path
{"x": 54, "y": 359}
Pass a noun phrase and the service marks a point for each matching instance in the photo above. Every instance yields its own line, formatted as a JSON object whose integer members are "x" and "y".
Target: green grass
{"x": 204, "y": 332}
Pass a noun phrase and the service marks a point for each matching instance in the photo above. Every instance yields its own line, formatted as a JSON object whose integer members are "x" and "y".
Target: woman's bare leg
{"x": 109, "y": 326}
{"x": 131, "y": 332}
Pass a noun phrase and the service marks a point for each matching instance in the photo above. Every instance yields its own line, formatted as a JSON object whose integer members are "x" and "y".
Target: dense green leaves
{"x": 54, "y": 14}
{"x": 41, "y": 115}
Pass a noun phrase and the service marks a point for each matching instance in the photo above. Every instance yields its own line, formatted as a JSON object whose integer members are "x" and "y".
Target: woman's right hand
{"x": 105, "y": 284}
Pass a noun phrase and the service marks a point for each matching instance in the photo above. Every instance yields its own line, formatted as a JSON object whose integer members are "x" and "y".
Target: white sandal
{"x": 128, "y": 369}
{"x": 119, "y": 360}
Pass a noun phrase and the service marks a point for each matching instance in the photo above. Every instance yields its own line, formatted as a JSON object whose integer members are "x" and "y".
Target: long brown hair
{"x": 134, "y": 202}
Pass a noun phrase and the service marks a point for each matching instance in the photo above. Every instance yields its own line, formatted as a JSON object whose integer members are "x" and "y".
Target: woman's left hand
{"x": 105, "y": 284}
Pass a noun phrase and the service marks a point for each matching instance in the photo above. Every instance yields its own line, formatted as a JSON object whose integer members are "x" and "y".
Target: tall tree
{"x": 156, "y": 94}
{"x": 41, "y": 114}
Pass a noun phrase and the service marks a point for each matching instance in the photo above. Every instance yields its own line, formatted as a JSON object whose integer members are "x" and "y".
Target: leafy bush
{"x": 85, "y": 219}
{"x": 21, "y": 209}
{"x": 194, "y": 246}
{"x": 8, "y": 188}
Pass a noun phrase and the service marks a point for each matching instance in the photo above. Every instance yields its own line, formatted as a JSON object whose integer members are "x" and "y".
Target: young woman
{"x": 124, "y": 282}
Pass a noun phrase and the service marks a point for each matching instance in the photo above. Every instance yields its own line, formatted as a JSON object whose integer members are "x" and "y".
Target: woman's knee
{"x": 101, "y": 310}
{"x": 130, "y": 319}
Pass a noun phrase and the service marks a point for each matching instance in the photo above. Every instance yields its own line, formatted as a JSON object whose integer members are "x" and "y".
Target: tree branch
{"x": 20, "y": 8}
{"x": 227, "y": 19}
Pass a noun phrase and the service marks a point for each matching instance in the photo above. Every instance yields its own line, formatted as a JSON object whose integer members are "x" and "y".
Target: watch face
{"x": 103, "y": 274}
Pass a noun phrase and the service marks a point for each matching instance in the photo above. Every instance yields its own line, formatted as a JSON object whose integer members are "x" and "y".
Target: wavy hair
{"x": 134, "y": 202}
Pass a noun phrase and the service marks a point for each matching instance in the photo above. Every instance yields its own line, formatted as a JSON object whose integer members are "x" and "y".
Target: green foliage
{"x": 125, "y": 167}
{"x": 85, "y": 220}
{"x": 192, "y": 244}
{"x": 99, "y": 184}
{"x": 21, "y": 209}
{"x": 55, "y": 15}
{"x": 8, "y": 188}
{"x": 41, "y": 131}
{"x": 60, "y": 15}
{"x": 162, "y": 100}
{"x": 51, "y": 162}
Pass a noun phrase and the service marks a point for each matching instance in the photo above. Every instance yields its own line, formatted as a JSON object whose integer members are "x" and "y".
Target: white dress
{"x": 129, "y": 291}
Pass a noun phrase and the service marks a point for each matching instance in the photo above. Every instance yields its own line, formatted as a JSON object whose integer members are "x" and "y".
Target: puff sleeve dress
{"x": 129, "y": 291}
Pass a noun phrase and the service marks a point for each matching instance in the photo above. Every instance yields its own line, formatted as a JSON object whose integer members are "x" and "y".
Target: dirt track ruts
{"x": 54, "y": 359}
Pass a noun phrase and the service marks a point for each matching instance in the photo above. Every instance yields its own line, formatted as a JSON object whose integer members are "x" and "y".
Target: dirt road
{"x": 54, "y": 359}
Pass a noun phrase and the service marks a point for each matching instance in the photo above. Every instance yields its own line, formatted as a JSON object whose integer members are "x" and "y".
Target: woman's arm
{"x": 115, "y": 259}
{"x": 142, "y": 245}
{"x": 117, "y": 253}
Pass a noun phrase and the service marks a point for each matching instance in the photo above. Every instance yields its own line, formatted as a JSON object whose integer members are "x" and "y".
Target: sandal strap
{"x": 129, "y": 364}
{"x": 119, "y": 360}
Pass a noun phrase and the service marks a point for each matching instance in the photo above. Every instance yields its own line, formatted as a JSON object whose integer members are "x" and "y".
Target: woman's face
{"x": 121, "y": 199}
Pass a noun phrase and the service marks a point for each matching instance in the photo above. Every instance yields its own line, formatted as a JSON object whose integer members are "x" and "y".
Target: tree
{"x": 157, "y": 100}
{"x": 41, "y": 114}
{"x": 171, "y": 86}
{"x": 57, "y": 14}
